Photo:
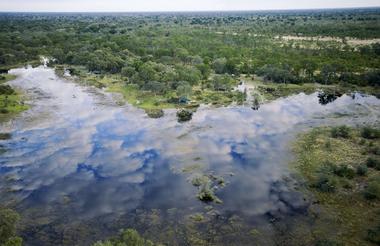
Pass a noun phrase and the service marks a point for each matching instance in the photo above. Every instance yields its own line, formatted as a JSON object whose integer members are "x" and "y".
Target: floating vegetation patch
{"x": 154, "y": 113}
{"x": 5, "y": 136}
{"x": 128, "y": 237}
{"x": 8, "y": 223}
{"x": 326, "y": 97}
{"x": 207, "y": 185}
{"x": 184, "y": 115}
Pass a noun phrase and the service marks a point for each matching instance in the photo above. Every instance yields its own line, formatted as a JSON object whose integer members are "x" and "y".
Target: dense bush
{"x": 372, "y": 191}
{"x": 340, "y": 132}
{"x": 370, "y": 133}
{"x": 278, "y": 74}
{"x": 346, "y": 171}
{"x": 6, "y": 90}
{"x": 362, "y": 170}
{"x": 373, "y": 235}
{"x": 326, "y": 183}
{"x": 373, "y": 163}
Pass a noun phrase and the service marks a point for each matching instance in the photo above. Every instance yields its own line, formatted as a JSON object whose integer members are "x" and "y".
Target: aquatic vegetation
{"x": 207, "y": 194}
{"x": 8, "y": 221}
{"x": 5, "y": 136}
{"x": 326, "y": 97}
{"x": 192, "y": 168}
{"x": 207, "y": 184}
{"x": 342, "y": 179}
{"x": 128, "y": 237}
{"x": 155, "y": 113}
{"x": 198, "y": 217}
{"x": 184, "y": 115}
{"x": 200, "y": 180}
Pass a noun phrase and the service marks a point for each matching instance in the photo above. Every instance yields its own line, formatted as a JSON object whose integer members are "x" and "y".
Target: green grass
{"x": 10, "y": 104}
{"x": 141, "y": 99}
{"x": 346, "y": 211}
{"x": 6, "y": 77}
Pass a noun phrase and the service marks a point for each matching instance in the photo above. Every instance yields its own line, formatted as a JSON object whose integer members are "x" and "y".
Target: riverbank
{"x": 340, "y": 168}
{"x": 267, "y": 91}
{"x": 257, "y": 90}
{"x": 11, "y": 100}
{"x": 148, "y": 100}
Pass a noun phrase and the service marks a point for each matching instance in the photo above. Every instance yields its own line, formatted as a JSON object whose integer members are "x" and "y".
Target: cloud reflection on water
{"x": 109, "y": 159}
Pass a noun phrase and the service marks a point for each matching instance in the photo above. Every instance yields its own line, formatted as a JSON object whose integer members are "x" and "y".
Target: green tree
{"x": 184, "y": 89}
{"x": 222, "y": 82}
{"x": 219, "y": 65}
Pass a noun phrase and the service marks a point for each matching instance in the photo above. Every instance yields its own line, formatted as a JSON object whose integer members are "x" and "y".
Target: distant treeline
{"x": 162, "y": 51}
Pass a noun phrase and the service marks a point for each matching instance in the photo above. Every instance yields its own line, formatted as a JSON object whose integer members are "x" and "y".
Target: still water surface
{"x": 79, "y": 167}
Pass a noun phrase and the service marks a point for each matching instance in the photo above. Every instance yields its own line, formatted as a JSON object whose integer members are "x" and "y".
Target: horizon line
{"x": 191, "y": 11}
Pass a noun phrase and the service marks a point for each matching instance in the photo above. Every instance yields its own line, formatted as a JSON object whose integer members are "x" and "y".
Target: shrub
{"x": 373, "y": 189}
{"x": 326, "y": 242}
{"x": 373, "y": 163}
{"x": 6, "y": 90}
{"x": 340, "y": 132}
{"x": 346, "y": 183}
{"x": 374, "y": 150}
{"x": 362, "y": 170}
{"x": 373, "y": 235}
{"x": 346, "y": 171}
{"x": 325, "y": 183}
{"x": 370, "y": 133}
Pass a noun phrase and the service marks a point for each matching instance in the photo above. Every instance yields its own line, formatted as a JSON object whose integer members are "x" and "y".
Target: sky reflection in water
{"x": 76, "y": 143}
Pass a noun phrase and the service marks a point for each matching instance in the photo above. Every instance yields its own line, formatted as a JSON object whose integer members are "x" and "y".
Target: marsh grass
{"x": 11, "y": 100}
{"x": 346, "y": 190}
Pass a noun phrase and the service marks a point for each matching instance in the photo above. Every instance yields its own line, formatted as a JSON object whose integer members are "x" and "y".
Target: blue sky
{"x": 176, "y": 5}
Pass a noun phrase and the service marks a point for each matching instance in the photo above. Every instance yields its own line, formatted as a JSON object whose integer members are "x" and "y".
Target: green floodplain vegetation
{"x": 161, "y": 61}
{"x": 11, "y": 100}
{"x": 341, "y": 168}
